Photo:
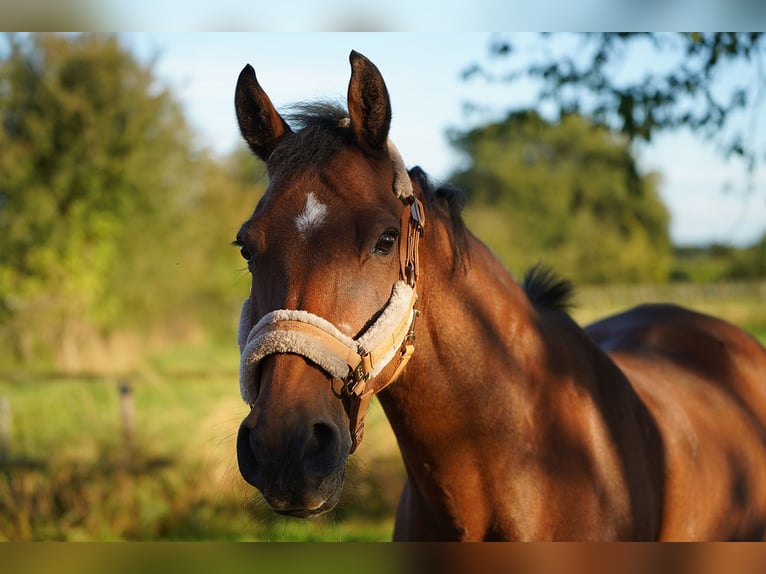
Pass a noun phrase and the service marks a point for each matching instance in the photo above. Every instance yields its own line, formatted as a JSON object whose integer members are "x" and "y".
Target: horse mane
{"x": 545, "y": 289}
{"x": 542, "y": 286}
{"x": 448, "y": 201}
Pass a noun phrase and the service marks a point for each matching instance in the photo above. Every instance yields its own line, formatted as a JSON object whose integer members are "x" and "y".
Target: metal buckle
{"x": 416, "y": 213}
{"x": 409, "y": 338}
{"x": 355, "y": 377}
{"x": 409, "y": 272}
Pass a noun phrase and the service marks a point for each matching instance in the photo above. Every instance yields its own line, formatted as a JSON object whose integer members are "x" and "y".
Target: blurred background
{"x": 630, "y": 163}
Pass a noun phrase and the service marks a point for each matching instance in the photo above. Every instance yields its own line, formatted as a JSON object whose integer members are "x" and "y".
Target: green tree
{"x": 716, "y": 262}
{"x": 206, "y": 222}
{"x": 644, "y": 84}
{"x": 113, "y": 226}
{"x": 94, "y": 152}
{"x": 568, "y": 194}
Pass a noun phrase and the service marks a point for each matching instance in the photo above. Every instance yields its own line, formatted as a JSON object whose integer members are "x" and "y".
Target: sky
{"x": 428, "y": 96}
{"x": 401, "y": 15}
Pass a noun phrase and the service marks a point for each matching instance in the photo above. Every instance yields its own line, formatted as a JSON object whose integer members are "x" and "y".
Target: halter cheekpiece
{"x": 351, "y": 363}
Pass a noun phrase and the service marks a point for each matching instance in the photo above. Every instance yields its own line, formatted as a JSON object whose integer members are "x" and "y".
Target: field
{"x": 73, "y": 467}
{"x": 72, "y": 473}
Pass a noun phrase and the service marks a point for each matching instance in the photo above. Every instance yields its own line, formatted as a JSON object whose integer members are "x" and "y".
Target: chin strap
{"x": 353, "y": 364}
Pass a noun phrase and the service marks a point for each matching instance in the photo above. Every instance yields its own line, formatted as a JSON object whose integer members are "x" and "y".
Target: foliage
{"x": 700, "y": 81}
{"x": 715, "y": 263}
{"x": 110, "y": 222}
{"x": 115, "y": 230}
{"x": 568, "y": 194}
{"x": 89, "y": 157}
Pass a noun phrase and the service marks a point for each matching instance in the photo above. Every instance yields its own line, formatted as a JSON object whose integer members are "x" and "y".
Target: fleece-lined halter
{"x": 353, "y": 364}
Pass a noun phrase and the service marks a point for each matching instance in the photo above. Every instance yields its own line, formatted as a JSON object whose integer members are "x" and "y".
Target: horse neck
{"x": 491, "y": 380}
{"x": 476, "y": 329}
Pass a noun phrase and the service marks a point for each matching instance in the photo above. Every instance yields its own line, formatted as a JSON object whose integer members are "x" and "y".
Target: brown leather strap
{"x": 362, "y": 363}
{"x": 413, "y": 221}
{"x": 361, "y": 395}
{"x": 411, "y": 228}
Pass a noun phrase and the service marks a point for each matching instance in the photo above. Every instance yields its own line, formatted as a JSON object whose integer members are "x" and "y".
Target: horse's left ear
{"x": 368, "y": 103}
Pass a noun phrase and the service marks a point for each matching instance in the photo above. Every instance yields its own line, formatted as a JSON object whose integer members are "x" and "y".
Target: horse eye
{"x": 385, "y": 244}
{"x": 243, "y": 251}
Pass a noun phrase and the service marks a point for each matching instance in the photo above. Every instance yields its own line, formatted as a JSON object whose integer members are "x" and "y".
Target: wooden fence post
{"x": 128, "y": 412}
{"x": 5, "y": 430}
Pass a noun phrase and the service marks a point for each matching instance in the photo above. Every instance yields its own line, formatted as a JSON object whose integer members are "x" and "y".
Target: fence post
{"x": 128, "y": 411}
{"x": 5, "y": 430}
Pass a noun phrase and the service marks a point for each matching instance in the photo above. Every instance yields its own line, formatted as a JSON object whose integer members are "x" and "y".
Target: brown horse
{"x": 513, "y": 422}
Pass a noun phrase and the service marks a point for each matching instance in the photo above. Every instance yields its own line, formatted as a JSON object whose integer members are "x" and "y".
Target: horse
{"x": 513, "y": 422}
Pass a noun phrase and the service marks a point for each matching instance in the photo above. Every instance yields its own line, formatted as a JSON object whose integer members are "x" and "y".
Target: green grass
{"x": 71, "y": 475}
{"x": 743, "y": 304}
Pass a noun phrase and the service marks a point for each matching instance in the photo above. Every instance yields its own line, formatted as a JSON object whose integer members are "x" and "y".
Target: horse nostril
{"x": 248, "y": 464}
{"x": 321, "y": 453}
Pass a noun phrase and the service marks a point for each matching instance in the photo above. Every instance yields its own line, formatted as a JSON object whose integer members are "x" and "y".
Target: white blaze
{"x": 313, "y": 215}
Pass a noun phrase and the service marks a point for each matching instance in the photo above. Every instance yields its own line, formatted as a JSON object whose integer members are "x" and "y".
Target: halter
{"x": 353, "y": 364}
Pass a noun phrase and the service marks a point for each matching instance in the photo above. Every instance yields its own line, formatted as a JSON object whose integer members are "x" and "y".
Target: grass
{"x": 70, "y": 473}
{"x": 743, "y": 304}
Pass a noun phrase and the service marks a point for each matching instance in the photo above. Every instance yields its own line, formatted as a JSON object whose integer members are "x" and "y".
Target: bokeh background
{"x": 631, "y": 164}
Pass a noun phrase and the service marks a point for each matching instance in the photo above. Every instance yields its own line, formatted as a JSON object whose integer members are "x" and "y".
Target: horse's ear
{"x": 260, "y": 123}
{"x": 368, "y": 103}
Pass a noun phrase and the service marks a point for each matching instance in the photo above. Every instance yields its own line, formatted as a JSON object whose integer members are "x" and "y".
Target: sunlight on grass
{"x": 70, "y": 473}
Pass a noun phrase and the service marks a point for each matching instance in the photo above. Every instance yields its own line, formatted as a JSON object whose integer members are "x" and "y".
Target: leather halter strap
{"x": 353, "y": 364}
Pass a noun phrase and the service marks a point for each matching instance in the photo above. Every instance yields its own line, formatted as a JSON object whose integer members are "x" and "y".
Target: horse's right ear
{"x": 368, "y": 103}
{"x": 260, "y": 123}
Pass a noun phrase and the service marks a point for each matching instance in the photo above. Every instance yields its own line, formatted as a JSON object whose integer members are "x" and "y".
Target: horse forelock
{"x": 318, "y": 137}
{"x": 321, "y": 129}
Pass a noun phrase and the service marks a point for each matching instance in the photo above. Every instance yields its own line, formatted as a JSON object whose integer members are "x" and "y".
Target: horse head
{"x": 330, "y": 316}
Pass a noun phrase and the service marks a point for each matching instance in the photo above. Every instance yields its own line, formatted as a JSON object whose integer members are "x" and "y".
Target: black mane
{"x": 320, "y": 130}
{"x": 448, "y": 201}
{"x": 545, "y": 289}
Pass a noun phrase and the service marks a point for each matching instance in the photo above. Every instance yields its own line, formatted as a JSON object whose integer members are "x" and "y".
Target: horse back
{"x": 704, "y": 383}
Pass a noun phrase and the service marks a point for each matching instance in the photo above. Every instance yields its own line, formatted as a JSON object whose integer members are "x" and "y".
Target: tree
{"x": 716, "y": 262}
{"x": 93, "y": 152}
{"x": 710, "y": 83}
{"x": 568, "y": 194}
{"x": 112, "y": 224}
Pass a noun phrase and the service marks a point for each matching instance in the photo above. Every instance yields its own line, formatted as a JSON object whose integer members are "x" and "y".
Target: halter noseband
{"x": 352, "y": 363}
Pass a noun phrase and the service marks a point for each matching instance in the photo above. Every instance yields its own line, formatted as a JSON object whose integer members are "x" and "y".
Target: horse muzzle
{"x": 300, "y": 477}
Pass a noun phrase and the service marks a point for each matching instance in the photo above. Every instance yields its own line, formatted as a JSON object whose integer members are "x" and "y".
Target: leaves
{"x": 693, "y": 93}
{"x": 568, "y": 194}
{"x": 109, "y": 218}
